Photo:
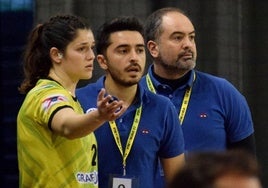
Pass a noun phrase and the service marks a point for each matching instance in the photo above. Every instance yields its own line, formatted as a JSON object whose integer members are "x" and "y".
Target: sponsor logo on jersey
{"x": 87, "y": 178}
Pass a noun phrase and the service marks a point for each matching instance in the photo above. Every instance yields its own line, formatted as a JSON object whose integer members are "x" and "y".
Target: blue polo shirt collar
{"x": 157, "y": 84}
{"x": 139, "y": 99}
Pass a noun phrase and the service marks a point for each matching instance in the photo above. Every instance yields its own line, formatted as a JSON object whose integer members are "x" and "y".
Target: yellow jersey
{"x": 46, "y": 159}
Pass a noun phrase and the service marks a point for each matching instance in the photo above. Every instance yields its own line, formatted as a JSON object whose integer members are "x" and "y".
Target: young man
{"x": 213, "y": 114}
{"x": 130, "y": 147}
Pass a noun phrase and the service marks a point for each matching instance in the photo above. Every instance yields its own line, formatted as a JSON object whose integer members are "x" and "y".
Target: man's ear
{"x": 55, "y": 55}
{"x": 102, "y": 61}
{"x": 153, "y": 48}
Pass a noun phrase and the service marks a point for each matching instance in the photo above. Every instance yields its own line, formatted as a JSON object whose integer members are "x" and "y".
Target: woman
{"x": 56, "y": 143}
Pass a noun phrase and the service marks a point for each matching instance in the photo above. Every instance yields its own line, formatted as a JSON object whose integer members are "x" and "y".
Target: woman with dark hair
{"x": 56, "y": 143}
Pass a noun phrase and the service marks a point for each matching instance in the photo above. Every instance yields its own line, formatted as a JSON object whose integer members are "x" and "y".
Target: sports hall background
{"x": 231, "y": 39}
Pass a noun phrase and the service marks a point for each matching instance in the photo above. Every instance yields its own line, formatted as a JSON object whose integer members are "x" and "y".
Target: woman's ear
{"x": 102, "y": 61}
{"x": 55, "y": 55}
{"x": 153, "y": 48}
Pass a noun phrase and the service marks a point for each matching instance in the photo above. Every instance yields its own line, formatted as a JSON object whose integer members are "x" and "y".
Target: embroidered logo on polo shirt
{"x": 145, "y": 131}
{"x": 203, "y": 115}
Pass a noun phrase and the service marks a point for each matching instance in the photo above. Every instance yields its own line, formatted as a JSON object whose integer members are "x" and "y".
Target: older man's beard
{"x": 178, "y": 65}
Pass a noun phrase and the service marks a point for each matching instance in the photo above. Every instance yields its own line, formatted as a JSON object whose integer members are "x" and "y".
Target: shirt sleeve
{"x": 239, "y": 124}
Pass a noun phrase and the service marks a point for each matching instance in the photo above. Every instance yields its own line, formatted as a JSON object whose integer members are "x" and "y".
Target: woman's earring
{"x": 60, "y": 55}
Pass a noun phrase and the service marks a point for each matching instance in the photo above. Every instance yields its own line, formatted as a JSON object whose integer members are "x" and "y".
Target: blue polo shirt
{"x": 158, "y": 135}
{"x": 217, "y": 113}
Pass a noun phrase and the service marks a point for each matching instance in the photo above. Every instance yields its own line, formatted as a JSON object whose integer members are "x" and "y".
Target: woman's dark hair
{"x": 58, "y": 32}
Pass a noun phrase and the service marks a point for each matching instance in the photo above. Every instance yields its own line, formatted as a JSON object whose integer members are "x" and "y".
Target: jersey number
{"x": 94, "y": 157}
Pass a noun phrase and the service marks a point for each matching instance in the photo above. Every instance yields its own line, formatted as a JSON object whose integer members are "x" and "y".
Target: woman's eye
{"x": 81, "y": 49}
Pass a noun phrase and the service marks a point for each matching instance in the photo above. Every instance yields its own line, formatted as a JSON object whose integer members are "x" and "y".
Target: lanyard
{"x": 185, "y": 101}
{"x": 131, "y": 137}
